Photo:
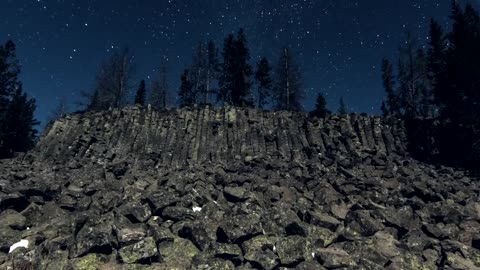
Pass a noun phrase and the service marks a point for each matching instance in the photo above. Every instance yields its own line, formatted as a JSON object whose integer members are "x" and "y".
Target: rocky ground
{"x": 341, "y": 208}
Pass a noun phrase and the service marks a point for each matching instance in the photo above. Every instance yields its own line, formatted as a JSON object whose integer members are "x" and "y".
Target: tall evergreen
{"x": 186, "y": 94}
{"x": 212, "y": 71}
{"x": 436, "y": 53}
{"x": 198, "y": 73}
{"x": 264, "y": 82}
{"x": 17, "y": 133}
{"x": 204, "y": 71}
{"x": 320, "y": 109}
{"x": 288, "y": 86}
{"x": 384, "y": 109}
{"x": 457, "y": 92}
{"x": 20, "y": 124}
{"x": 342, "y": 108}
{"x": 9, "y": 70}
{"x": 159, "y": 90}
{"x": 458, "y": 89}
{"x": 241, "y": 91}
{"x": 226, "y": 79}
{"x": 141, "y": 92}
{"x": 391, "y": 107}
{"x": 234, "y": 82}
{"x": 438, "y": 92}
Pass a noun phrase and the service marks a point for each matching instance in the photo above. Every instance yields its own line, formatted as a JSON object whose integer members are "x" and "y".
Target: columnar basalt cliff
{"x": 210, "y": 188}
{"x": 190, "y": 137}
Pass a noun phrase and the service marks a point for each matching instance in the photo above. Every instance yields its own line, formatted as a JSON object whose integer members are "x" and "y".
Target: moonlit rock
{"x": 196, "y": 209}
{"x": 21, "y": 243}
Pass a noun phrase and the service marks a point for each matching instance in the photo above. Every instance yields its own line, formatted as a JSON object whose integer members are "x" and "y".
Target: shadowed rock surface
{"x": 233, "y": 189}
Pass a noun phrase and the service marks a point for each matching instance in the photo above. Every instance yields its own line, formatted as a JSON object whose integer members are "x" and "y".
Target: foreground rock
{"x": 311, "y": 194}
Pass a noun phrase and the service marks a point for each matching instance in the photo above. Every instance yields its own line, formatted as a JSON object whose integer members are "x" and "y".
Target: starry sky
{"x": 338, "y": 44}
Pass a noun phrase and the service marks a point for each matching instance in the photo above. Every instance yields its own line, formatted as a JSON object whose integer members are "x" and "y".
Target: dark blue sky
{"x": 338, "y": 43}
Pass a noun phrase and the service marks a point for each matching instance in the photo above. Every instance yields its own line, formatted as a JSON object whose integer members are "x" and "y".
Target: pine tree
{"x": 436, "y": 53}
{"x": 212, "y": 70}
{"x": 204, "y": 71}
{"x": 234, "y": 82}
{"x": 241, "y": 91}
{"x": 198, "y": 73}
{"x": 17, "y": 133}
{"x": 288, "y": 84}
{"x": 391, "y": 107}
{"x": 264, "y": 81}
{"x": 227, "y": 70}
{"x": 342, "y": 109}
{"x": 186, "y": 93}
{"x": 159, "y": 91}
{"x": 320, "y": 110}
{"x": 112, "y": 84}
{"x": 18, "y": 124}
{"x": 140, "y": 95}
{"x": 9, "y": 70}
{"x": 384, "y": 109}
{"x": 457, "y": 92}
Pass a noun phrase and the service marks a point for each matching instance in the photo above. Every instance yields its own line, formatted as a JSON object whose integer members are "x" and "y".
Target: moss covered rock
{"x": 177, "y": 253}
{"x": 90, "y": 262}
{"x": 142, "y": 250}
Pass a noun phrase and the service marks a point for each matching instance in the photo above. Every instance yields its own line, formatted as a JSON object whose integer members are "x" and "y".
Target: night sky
{"x": 338, "y": 43}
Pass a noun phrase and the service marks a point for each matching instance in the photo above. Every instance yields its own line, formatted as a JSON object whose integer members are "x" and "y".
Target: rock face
{"x": 233, "y": 189}
{"x": 202, "y": 135}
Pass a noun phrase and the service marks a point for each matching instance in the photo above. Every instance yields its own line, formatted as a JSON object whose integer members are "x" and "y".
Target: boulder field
{"x": 230, "y": 188}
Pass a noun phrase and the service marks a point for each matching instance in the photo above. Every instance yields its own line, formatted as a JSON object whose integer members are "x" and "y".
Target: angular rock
{"x": 88, "y": 262}
{"x": 310, "y": 265}
{"x": 409, "y": 261}
{"x": 177, "y": 213}
{"x": 362, "y": 222}
{"x": 260, "y": 251}
{"x": 130, "y": 234}
{"x": 206, "y": 262}
{"x": 323, "y": 220}
{"x": 144, "y": 250}
{"x": 227, "y": 251}
{"x": 98, "y": 239}
{"x": 333, "y": 258}
{"x": 8, "y": 237}
{"x": 235, "y": 194}
{"x": 137, "y": 213}
{"x": 293, "y": 249}
{"x": 178, "y": 252}
{"x": 197, "y": 234}
{"x": 160, "y": 200}
{"x": 238, "y": 228}
{"x": 339, "y": 210}
{"x": 14, "y": 220}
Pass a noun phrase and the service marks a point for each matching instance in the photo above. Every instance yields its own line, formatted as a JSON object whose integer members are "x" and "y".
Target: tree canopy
{"x": 17, "y": 122}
